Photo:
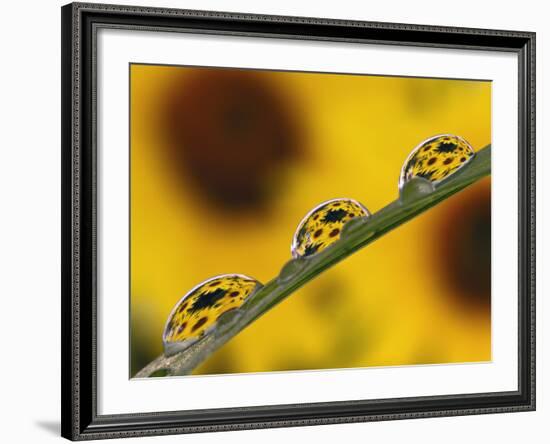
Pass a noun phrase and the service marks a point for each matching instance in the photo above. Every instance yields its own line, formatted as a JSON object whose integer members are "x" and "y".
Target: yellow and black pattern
{"x": 197, "y": 312}
{"x": 436, "y": 158}
{"x": 322, "y": 226}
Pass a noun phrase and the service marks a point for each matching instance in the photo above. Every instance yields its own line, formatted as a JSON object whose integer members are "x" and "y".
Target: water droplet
{"x": 436, "y": 159}
{"x": 197, "y": 314}
{"x": 415, "y": 188}
{"x": 322, "y": 226}
{"x": 292, "y": 268}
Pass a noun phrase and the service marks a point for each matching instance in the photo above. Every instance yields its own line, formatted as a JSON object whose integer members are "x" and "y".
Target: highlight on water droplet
{"x": 323, "y": 225}
{"x": 436, "y": 159}
{"x": 197, "y": 313}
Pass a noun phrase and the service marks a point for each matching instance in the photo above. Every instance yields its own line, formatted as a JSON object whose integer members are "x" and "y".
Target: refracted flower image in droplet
{"x": 323, "y": 225}
{"x": 436, "y": 159}
{"x": 196, "y": 314}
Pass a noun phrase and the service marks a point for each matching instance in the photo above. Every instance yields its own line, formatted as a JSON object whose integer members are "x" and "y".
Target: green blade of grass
{"x": 416, "y": 197}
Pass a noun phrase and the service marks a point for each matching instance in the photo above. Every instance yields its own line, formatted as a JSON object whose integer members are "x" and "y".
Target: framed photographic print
{"x": 280, "y": 221}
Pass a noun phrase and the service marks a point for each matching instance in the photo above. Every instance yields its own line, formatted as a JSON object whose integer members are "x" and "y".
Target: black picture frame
{"x": 79, "y": 385}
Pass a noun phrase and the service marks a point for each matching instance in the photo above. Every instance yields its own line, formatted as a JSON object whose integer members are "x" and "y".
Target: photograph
{"x": 235, "y": 171}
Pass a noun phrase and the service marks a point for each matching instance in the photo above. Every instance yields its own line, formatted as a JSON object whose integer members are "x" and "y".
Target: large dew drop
{"x": 323, "y": 225}
{"x": 197, "y": 313}
{"x": 436, "y": 159}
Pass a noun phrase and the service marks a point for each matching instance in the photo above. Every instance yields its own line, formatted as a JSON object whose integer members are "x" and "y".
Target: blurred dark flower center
{"x": 464, "y": 246}
{"x": 231, "y": 134}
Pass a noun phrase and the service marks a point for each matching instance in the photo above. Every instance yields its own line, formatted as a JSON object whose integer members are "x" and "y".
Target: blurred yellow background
{"x": 224, "y": 165}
